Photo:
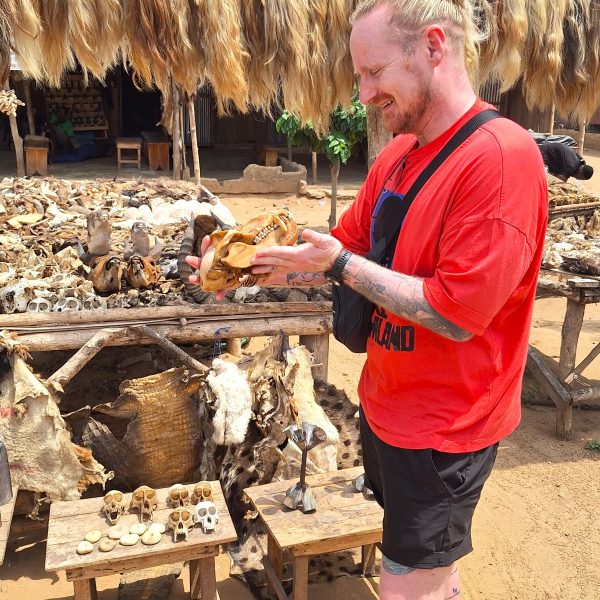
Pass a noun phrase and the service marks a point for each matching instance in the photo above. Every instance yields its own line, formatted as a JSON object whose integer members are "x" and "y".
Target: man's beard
{"x": 409, "y": 119}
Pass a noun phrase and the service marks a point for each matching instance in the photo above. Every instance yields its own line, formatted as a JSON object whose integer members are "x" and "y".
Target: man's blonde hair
{"x": 410, "y": 17}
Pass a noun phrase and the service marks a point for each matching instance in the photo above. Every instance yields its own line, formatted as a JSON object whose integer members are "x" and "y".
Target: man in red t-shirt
{"x": 441, "y": 384}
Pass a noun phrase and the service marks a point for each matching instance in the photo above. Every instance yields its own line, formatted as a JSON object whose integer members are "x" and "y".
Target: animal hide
{"x": 42, "y": 457}
{"x": 229, "y": 395}
{"x": 163, "y": 434}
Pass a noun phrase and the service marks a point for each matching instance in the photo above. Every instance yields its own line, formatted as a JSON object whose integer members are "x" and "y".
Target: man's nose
{"x": 366, "y": 92}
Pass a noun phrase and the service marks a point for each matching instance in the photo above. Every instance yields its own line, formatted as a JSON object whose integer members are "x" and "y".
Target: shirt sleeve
{"x": 482, "y": 265}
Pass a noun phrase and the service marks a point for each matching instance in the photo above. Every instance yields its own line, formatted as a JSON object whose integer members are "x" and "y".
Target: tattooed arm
{"x": 399, "y": 294}
{"x": 294, "y": 279}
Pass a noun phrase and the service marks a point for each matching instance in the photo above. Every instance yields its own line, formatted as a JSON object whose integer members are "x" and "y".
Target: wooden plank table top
{"x": 6, "y": 513}
{"x": 70, "y": 521}
{"x": 343, "y": 519}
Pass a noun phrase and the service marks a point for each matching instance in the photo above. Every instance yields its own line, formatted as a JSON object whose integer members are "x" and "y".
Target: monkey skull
{"x": 144, "y": 499}
{"x": 114, "y": 505}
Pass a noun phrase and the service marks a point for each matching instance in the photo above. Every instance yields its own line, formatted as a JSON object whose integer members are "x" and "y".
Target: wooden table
{"x": 344, "y": 519}
{"x": 579, "y": 290}
{"x": 69, "y": 522}
{"x": 6, "y": 513}
{"x": 156, "y": 147}
{"x": 133, "y": 144}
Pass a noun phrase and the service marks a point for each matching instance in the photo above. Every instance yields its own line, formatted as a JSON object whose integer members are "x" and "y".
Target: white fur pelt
{"x": 231, "y": 399}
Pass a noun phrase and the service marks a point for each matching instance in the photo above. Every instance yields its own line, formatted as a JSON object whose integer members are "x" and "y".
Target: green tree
{"x": 347, "y": 126}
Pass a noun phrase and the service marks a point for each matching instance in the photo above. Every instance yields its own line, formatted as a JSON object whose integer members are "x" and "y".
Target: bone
{"x": 84, "y": 547}
{"x": 151, "y": 537}
{"x": 107, "y": 545}
{"x": 129, "y": 539}
{"x": 116, "y": 532}
{"x": 92, "y": 536}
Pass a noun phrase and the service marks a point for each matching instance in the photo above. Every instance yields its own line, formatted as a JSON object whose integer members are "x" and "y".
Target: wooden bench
{"x": 156, "y": 148}
{"x": 69, "y": 522}
{"x": 129, "y": 145}
{"x": 36, "y": 154}
{"x": 6, "y": 514}
{"x": 344, "y": 519}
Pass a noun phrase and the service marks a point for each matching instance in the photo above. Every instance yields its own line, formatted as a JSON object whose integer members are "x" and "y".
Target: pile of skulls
{"x": 573, "y": 244}
{"x": 186, "y": 510}
{"x": 564, "y": 194}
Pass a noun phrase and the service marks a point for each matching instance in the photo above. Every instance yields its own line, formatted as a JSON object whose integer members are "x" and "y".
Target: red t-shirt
{"x": 475, "y": 234}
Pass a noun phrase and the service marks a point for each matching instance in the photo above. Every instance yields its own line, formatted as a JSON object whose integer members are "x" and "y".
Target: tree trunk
{"x": 17, "y": 141}
{"x": 377, "y": 135}
{"x": 314, "y": 167}
{"x": 29, "y": 107}
{"x": 176, "y": 136}
{"x": 551, "y": 123}
{"x": 289, "y": 156}
{"x": 335, "y": 172}
{"x": 195, "y": 153}
{"x": 581, "y": 138}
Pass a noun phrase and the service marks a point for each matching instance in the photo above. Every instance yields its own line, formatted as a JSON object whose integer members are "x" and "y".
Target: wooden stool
{"x": 344, "y": 519}
{"x": 69, "y": 522}
{"x": 129, "y": 143}
{"x": 6, "y": 513}
{"x": 157, "y": 150}
{"x": 36, "y": 154}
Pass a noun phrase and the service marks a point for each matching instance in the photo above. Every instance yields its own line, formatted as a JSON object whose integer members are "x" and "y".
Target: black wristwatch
{"x": 335, "y": 273}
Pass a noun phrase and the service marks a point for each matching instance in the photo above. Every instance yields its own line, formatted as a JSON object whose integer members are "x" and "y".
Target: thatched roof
{"x": 258, "y": 52}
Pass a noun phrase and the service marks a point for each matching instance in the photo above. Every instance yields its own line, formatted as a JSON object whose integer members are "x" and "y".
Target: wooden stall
{"x": 561, "y": 385}
{"x": 89, "y": 331}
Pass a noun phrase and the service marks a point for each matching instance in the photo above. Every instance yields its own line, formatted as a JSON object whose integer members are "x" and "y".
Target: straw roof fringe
{"x": 262, "y": 54}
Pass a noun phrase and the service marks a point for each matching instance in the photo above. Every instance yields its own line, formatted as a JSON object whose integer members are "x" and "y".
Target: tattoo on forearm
{"x": 298, "y": 279}
{"x": 455, "y": 594}
{"x": 400, "y": 294}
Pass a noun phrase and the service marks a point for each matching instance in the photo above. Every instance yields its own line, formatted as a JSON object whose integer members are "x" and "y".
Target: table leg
{"x": 203, "y": 579}
{"x": 275, "y": 555}
{"x": 368, "y": 559}
{"x": 85, "y": 589}
{"x": 568, "y": 350}
{"x": 300, "y": 577}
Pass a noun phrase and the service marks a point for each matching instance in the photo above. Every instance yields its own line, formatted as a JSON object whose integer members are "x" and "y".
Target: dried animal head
{"x": 15, "y": 298}
{"x": 106, "y": 273}
{"x": 207, "y": 516}
{"x": 142, "y": 271}
{"x": 227, "y": 259}
{"x": 114, "y": 505}
{"x": 178, "y": 496}
{"x": 202, "y": 492}
{"x": 144, "y": 499}
{"x": 181, "y": 520}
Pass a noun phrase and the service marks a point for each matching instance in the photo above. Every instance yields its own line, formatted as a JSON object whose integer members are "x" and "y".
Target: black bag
{"x": 352, "y": 312}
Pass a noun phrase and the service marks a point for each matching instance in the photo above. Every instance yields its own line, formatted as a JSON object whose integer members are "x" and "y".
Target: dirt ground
{"x": 536, "y": 532}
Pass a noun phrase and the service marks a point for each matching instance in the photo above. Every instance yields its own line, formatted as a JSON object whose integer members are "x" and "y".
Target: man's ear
{"x": 437, "y": 43}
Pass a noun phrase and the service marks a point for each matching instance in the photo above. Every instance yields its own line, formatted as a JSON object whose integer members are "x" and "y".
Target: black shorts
{"x": 428, "y": 498}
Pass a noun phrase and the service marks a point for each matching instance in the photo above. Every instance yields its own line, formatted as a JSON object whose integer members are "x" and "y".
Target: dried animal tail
{"x": 184, "y": 270}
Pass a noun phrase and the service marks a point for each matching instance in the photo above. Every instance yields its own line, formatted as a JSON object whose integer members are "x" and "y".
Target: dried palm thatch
{"x": 264, "y": 53}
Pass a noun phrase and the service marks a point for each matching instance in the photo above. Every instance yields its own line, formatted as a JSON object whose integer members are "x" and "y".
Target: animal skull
{"x": 207, "y": 516}
{"x": 142, "y": 271}
{"x": 39, "y": 305}
{"x": 227, "y": 260}
{"x": 69, "y": 303}
{"x": 92, "y": 301}
{"x": 181, "y": 520}
{"x": 202, "y": 492}
{"x": 15, "y": 298}
{"x": 144, "y": 499}
{"x": 114, "y": 505}
{"x": 178, "y": 496}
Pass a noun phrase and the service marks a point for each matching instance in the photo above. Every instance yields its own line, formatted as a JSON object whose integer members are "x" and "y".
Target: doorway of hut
{"x": 140, "y": 109}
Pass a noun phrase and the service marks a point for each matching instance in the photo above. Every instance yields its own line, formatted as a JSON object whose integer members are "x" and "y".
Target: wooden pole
{"x": 176, "y": 136}
{"x": 335, "y": 173}
{"x": 186, "y": 171}
{"x": 17, "y": 141}
{"x": 195, "y": 153}
{"x": 581, "y": 138}
{"x": 170, "y": 347}
{"x": 314, "y": 167}
{"x": 29, "y": 107}
{"x": 377, "y": 135}
{"x": 551, "y": 123}
{"x": 83, "y": 356}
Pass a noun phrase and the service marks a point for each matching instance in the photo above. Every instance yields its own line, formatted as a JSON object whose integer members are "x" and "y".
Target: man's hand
{"x": 317, "y": 255}
{"x": 195, "y": 262}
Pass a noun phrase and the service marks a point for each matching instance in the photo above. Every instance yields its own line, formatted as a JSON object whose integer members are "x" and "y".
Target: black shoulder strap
{"x": 452, "y": 144}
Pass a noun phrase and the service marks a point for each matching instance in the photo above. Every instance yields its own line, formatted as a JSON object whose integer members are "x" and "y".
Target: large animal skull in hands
{"x": 114, "y": 505}
{"x": 181, "y": 520}
{"x": 145, "y": 500}
{"x": 226, "y": 263}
